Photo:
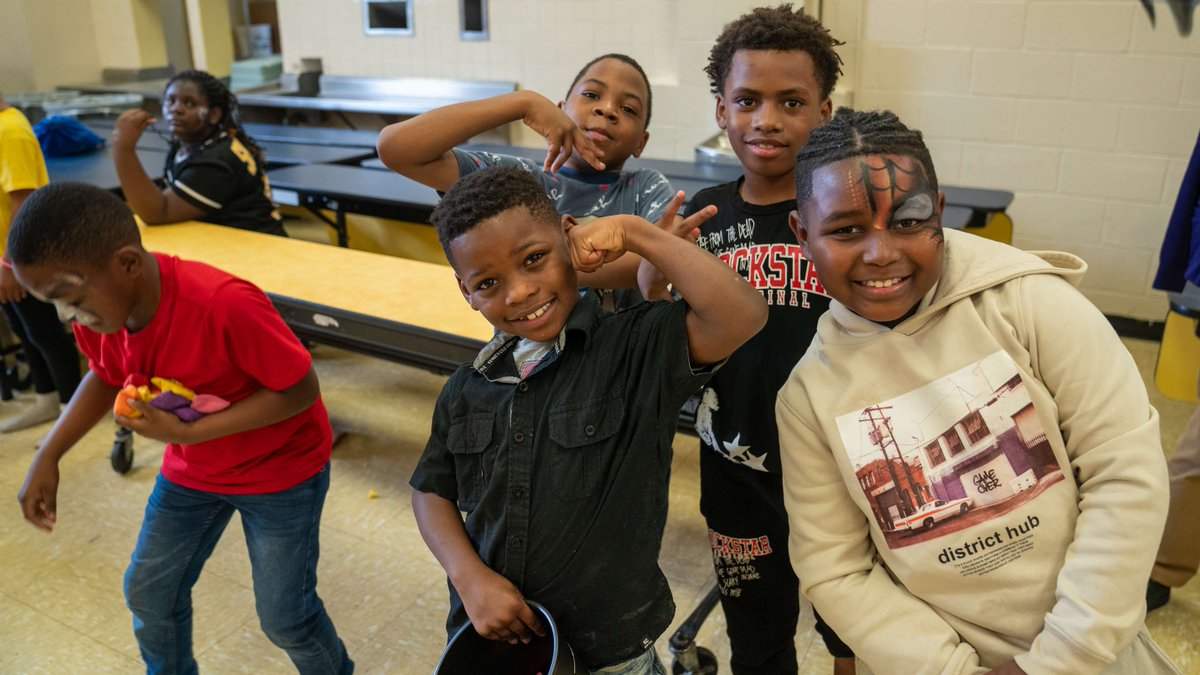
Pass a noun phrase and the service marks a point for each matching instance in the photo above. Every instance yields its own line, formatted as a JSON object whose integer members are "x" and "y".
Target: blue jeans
{"x": 179, "y": 532}
{"x": 646, "y": 664}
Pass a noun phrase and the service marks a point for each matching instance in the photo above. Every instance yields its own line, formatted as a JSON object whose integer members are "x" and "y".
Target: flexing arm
{"x": 38, "y": 496}
{"x": 152, "y": 205}
{"x": 496, "y": 608}
{"x": 628, "y": 270}
{"x": 723, "y": 310}
{"x": 260, "y": 409}
{"x": 420, "y": 147}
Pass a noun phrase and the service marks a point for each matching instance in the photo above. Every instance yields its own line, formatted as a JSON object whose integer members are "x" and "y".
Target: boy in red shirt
{"x": 139, "y": 315}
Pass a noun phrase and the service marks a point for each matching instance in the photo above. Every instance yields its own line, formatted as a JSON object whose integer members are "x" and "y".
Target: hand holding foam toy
{"x": 168, "y": 395}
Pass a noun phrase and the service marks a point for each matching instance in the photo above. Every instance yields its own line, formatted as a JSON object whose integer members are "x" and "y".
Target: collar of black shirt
{"x": 493, "y": 362}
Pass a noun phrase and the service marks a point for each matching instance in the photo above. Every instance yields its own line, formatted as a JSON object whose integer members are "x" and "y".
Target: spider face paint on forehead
{"x": 886, "y": 183}
{"x": 872, "y": 228}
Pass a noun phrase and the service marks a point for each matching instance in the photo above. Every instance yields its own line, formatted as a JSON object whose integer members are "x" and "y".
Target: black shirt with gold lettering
{"x": 222, "y": 178}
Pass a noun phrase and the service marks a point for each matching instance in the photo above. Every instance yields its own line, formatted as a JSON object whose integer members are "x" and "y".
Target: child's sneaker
{"x": 45, "y": 408}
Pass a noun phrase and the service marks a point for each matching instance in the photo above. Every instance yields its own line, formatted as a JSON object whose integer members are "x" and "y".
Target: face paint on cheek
{"x": 69, "y": 314}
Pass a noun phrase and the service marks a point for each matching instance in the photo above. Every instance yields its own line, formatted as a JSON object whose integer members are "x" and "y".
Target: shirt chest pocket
{"x": 468, "y": 438}
{"x": 579, "y": 432}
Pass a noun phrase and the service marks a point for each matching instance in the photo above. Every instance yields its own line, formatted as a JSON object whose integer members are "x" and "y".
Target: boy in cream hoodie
{"x": 972, "y": 469}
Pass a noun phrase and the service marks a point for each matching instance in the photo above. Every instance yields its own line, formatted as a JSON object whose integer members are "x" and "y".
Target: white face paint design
{"x": 202, "y": 112}
{"x": 69, "y": 314}
{"x": 918, "y": 207}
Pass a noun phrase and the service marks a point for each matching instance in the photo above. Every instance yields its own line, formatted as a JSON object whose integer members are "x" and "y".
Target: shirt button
{"x": 524, "y": 386}
{"x": 590, "y": 430}
{"x": 518, "y": 492}
{"x": 517, "y": 542}
{"x": 519, "y": 437}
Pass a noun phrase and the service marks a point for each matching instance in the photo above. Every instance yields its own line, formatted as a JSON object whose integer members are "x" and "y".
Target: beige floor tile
{"x": 33, "y": 642}
{"x": 220, "y": 608}
{"x": 390, "y": 657}
{"x": 84, "y": 593}
{"x": 245, "y": 650}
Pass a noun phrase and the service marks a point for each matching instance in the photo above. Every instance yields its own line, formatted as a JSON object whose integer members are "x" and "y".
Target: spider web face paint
{"x": 909, "y": 195}
{"x": 873, "y": 233}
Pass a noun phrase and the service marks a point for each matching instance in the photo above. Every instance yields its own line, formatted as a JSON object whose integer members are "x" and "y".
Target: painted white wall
{"x": 1079, "y": 106}
{"x": 540, "y": 44}
{"x": 41, "y": 50}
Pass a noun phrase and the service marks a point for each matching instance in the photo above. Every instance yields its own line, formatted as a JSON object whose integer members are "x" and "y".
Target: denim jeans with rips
{"x": 180, "y": 529}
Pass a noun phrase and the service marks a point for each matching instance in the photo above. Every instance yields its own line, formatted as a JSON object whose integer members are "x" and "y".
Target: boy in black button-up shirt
{"x": 556, "y": 441}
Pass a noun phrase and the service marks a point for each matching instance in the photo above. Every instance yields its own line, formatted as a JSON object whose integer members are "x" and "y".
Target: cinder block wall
{"x": 1080, "y": 107}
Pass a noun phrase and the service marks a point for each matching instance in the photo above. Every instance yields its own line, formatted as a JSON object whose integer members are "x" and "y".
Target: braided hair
{"x": 776, "y": 29}
{"x": 219, "y": 96}
{"x": 853, "y": 133}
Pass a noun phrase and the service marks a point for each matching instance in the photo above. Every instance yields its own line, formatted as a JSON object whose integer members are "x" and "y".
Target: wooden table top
{"x": 397, "y": 289}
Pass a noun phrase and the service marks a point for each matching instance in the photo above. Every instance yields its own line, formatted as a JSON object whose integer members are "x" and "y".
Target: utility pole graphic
{"x": 881, "y": 435}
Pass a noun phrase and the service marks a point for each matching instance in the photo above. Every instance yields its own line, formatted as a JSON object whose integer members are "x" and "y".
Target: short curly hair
{"x": 854, "y": 133}
{"x": 72, "y": 224}
{"x": 484, "y": 194}
{"x": 629, "y": 61}
{"x": 776, "y": 29}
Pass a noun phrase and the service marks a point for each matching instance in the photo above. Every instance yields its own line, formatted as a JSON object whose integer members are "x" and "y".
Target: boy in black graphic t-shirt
{"x": 772, "y": 71}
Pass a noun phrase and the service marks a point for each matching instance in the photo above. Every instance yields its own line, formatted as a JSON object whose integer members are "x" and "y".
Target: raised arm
{"x": 420, "y": 147}
{"x": 723, "y": 310}
{"x": 153, "y": 205}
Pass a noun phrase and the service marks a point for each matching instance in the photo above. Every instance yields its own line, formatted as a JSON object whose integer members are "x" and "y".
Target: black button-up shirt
{"x": 563, "y": 476}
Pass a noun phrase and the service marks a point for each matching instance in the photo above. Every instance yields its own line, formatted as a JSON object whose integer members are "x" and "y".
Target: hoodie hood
{"x": 971, "y": 264}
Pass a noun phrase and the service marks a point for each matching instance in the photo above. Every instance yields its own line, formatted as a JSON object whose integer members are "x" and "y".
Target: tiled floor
{"x": 61, "y": 608}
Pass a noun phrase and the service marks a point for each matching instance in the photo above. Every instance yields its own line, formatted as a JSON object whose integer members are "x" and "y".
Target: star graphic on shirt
{"x": 741, "y": 454}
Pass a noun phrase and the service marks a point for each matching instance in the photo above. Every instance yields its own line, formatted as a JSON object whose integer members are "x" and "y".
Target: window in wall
{"x": 473, "y": 17}
{"x": 934, "y": 452}
{"x": 976, "y": 428}
{"x": 388, "y": 17}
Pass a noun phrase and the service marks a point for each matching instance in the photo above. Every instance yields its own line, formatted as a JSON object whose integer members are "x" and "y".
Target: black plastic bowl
{"x": 469, "y": 653}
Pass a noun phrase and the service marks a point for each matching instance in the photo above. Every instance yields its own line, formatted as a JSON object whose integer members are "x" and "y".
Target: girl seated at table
{"x": 214, "y": 171}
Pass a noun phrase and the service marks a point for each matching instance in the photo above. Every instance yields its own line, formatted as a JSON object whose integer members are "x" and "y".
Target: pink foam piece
{"x": 169, "y": 401}
{"x": 188, "y": 414}
{"x": 209, "y": 404}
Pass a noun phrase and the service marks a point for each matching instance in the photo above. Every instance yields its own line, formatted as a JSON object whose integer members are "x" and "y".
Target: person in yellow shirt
{"x": 49, "y": 351}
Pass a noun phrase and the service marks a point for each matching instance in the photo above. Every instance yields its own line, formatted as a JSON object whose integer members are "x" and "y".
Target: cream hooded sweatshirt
{"x": 984, "y": 481}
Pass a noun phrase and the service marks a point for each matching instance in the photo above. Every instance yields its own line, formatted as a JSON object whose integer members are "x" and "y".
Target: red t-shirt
{"x": 220, "y": 335}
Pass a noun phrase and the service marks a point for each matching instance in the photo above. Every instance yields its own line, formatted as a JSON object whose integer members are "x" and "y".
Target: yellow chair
{"x": 999, "y": 227}
{"x": 1178, "y": 368}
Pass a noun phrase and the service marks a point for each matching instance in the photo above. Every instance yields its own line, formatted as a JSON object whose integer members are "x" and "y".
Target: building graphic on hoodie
{"x": 954, "y": 453}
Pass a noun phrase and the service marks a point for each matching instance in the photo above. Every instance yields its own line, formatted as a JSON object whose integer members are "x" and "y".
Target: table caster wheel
{"x": 705, "y": 664}
{"x": 122, "y": 452}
